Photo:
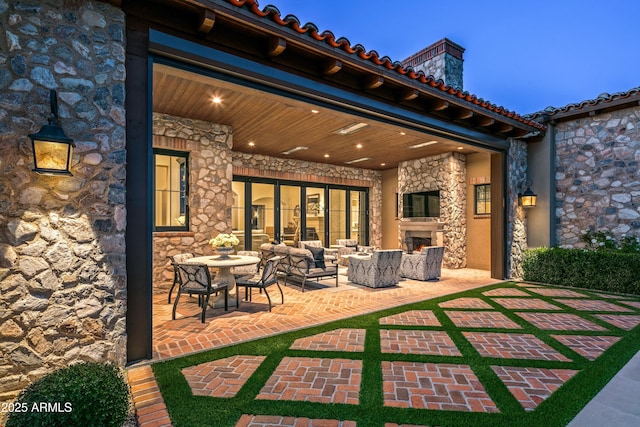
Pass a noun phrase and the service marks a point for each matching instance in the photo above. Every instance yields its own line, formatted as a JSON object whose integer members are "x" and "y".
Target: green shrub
{"x": 87, "y": 394}
{"x": 613, "y": 271}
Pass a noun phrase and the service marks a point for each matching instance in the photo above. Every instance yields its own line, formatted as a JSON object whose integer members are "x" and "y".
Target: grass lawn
{"x": 506, "y": 354}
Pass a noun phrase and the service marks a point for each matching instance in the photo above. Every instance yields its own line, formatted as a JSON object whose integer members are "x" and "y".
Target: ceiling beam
{"x": 331, "y": 67}
{"x": 464, "y": 115}
{"x": 485, "y": 121}
{"x": 207, "y": 19}
{"x": 504, "y": 128}
{"x": 276, "y": 46}
{"x": 438, "y": 105}
{"x": 373, "y": 82}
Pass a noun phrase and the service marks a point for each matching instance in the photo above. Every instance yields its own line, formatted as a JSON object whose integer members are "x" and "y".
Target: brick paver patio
{"x": 531, "y": 386}
{"x": 315, "y": 380}
{"x": 434, "y": 386}
{"x": 481, "y": 319}
{"x": 417, "y": 342}
{"x": 419, "y": 385}
{"x": 512, "y": 346}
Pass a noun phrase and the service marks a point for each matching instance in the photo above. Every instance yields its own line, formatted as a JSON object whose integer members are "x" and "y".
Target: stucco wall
{"x": 478, "y": 226}
{"x": 597, "y": 176}
{"x": 62, "y": 244}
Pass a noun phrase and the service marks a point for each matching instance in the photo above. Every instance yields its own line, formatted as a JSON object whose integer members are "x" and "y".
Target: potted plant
{"x": 223, "y": 244}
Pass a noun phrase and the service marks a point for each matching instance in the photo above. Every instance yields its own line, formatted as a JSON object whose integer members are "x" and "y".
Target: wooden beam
{"x": 207, "y": 19}
{"x": 504, "y": 128}
{"x": 438, "y": 105}
{"x": 485, "y": 121}
{"x": 373, "y": 82}
{"x": 277, "y": 45}
{"x": 408, "y": 94}
{"x": 331, "y": 67}
{"x": 464, "y": 115}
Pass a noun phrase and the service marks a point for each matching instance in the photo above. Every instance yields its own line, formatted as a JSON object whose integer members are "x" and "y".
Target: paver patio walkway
{"x": 442, "y": 386}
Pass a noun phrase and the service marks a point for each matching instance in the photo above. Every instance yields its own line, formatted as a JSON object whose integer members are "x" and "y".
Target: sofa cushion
{"x": 318, "y": 256}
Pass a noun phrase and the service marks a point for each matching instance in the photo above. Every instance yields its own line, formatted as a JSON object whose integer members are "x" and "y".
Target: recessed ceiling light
{"x": 363, "y": 159}
{"x": 326, "y": 155}
{"x": 403, "y": 133}
{"x": 358, "y": 145}
{"x": 252, "y": 144}
{"x": 354, "y": 127}
{"x": 422, "y": 144}
{"x": 315, "y": 111}
{"x": 293, "y": 150}
{"x": 460, "y": 148}
{"x": 216, "y": 100}
{"x": 383, "y": 164}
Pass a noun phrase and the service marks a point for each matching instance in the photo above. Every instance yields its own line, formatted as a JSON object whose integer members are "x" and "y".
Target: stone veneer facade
{"x": 63, "y": 276}
{"x": 210, "y": 196}
{"x": 212, "y": 165}
{"x": 516, "y": 215}
{"x": 597, "y": 176}
{"x": 447, "y": 173}
{"x": 443, "y": 60}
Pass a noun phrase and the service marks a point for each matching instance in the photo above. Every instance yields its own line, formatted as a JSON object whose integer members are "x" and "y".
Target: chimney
{"x": 442, "y": 60}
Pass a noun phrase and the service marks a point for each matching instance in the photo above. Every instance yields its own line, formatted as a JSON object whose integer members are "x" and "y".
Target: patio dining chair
{"x": 175, "y": 260}
{"x": 196, "y": 279}
{"x": 262, "y": 281}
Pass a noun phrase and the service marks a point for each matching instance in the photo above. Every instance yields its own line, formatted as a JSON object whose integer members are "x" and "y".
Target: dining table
{"x": 224, "y": 274}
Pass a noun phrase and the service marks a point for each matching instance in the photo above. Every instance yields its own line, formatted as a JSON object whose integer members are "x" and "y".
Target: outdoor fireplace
{"x": 415, "y": 244}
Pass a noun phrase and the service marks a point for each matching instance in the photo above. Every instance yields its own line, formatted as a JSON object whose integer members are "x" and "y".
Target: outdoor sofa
{"x": 300, "y": 264}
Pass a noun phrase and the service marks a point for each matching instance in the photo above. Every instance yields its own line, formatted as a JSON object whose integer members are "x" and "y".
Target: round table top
{"x": 215, "y": 261}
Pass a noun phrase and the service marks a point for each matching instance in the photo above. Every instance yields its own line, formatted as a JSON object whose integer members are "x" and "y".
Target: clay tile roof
{"x": 311, "y": 30}
{"x": 603, "y": 101}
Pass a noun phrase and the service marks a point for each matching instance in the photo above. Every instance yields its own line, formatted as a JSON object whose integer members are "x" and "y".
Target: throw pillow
{"x": 318, "y": 256}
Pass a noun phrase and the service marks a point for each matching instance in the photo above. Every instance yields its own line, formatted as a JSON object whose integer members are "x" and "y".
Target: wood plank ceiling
{"x": 269, "y": 124}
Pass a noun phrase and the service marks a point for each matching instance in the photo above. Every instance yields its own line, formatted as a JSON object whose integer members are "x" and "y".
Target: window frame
{"x": 185, "y": 156}
{"x": 477, "y": 201}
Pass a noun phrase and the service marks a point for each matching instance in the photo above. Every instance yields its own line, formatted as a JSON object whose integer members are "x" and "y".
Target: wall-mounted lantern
{"x": 528, "y": 199}
{"x": 52, "y": 149}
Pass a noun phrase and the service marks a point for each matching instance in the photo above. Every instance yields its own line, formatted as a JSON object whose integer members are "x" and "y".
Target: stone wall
{"x": 597, "y": 176}
{"x": 62, "y": 239}
{"x": 443, "y": 60}
{"x": 447, "y": 173}
{"x": 210, "y": 196}
{"x": 273, "y": 167}
{"x": 516, "y": 215}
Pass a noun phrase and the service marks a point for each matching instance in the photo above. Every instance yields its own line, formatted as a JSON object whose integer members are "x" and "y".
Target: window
{"x": 171, "y": 190}
{"x": 483, "y": 199}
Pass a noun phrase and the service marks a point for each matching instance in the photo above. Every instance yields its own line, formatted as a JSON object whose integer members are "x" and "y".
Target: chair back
{"x": 180, "y": 258}
{"x": 270, "y": 271}
{"x": 312, "y": 243}
{"x": 194, "y": 278}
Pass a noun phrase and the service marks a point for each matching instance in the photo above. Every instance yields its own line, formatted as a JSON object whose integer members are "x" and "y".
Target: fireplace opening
{"x": 415, "y": 244}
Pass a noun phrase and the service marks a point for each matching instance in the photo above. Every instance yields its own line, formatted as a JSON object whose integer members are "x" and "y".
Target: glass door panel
{"x": 358, "y": 216}
{"x": 289, "y": 215}
{"x": 262, "y": 221}
{"x": 315, "y": 214}
{"x": 237, "y": 213}
{"x": 337, "y": 215}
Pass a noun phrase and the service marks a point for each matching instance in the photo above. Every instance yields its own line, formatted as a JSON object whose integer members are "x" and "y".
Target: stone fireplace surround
{"x": 432, "y": 230}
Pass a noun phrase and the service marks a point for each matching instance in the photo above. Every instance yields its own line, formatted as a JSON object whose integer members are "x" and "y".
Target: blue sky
{"x": 523, "y": 56}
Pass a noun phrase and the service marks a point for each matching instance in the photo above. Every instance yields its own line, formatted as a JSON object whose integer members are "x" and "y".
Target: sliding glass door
{"x": 288, "y": 211}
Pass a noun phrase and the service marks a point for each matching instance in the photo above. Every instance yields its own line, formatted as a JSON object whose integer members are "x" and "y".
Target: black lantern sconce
{"x": 527, "y": 199}
{"x": 52, "y": 149}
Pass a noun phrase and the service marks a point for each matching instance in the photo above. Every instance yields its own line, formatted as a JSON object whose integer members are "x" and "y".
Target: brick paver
{"x": 512, "y": 346}
{"x": 412, "y": 318}
{"x": 315, "y": 380}
{"x": 506, "y": 292}
{"x": 278, "y": 421}
{"x": 531, "y": 386}
{"x": 150, "y": 407}
{"x": 592, "y": 305}
{"x": 477, "y": 303}
{"x": 417, "y": 342}
{"x": 635, "y": 304}
{"x": 552, "y": 292}
{"x": 223, "y": 377}
{"x": 481, "y": 319}
{"x": 434, "y": 386}
{"x": 589, "y": 346}
{"x": 525, "y": 304}
{"x": 622, "y": 321}
{"x": 350, "y": 340}
{"x": 560, "y": 322}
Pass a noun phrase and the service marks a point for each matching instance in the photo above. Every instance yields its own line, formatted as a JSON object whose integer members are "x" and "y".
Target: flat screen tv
{"x": 425, "y": 204}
